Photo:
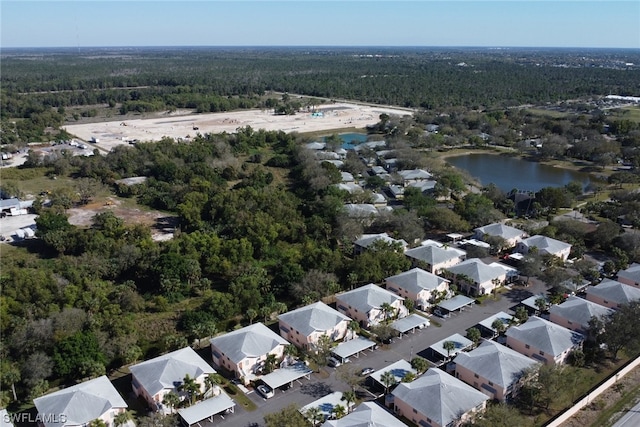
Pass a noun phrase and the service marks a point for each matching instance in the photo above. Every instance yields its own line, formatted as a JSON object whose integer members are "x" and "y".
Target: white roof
{"x": 164, "y": 372}
{"x": 326, "y": 404}
{"x": 367, "y": 414}
{"x": 531, "y": 301}
{"x": 316, "y": 145}
{"x": 349, "y": 187}
{"x": 456, "y": 302}
{"x": 423, "y": 185}
{"x": 409, "y": 322}
{"x": 399, "y": 369}
{"x": 361, "y": 210}
{"x": 206, "y": 408}
{"x": 368, "y": 297}
{"x": 416, "y": 280}
{"x": 632, "y": 273}
{"x": 615, "y": 291}
{"x": 81, "y": 403}
{"x": 367, "y": 240}
{"x": 286, "y": 375}
{"x": 545, "y": 244}
{"x": 316, "y": 317}
{"x": 477, "y": 270}
{"x": 251, "y": 341}
{"x": 349, "y": 348}
{"x": 346, "y": 177}
{"x": 495, "y": 362}
{"x": 546, "y": 336}
{"x": 458, "y": 340}
{"x": 502, "y": 316}
{"x": 579, "y": 311}
{"x": 500, "y": 230}
{"x": 414, "y": 174}
{"x": 432, "y": 254}
{"x": 439, "y": 396}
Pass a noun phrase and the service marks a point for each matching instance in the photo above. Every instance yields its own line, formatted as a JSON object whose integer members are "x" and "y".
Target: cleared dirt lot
{"x": 328, "y": 116}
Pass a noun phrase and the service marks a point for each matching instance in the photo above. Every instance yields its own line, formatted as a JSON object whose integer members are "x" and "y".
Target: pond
{"x": 508, "y": 172}
{"x": 352, "y": 139}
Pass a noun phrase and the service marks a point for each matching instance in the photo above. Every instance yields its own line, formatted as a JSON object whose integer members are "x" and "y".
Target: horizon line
{"x": 317, "y": 47}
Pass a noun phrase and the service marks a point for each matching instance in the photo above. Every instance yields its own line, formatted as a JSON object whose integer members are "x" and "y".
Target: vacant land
{"x": 329, "y": 116}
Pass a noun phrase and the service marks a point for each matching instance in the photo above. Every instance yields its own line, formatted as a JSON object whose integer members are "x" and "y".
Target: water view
{"x": 511, "y": 172}
{"x": 352, "y": 139}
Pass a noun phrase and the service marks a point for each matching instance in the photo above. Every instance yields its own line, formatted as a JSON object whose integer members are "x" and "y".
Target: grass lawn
{"x": 627, "y": 113}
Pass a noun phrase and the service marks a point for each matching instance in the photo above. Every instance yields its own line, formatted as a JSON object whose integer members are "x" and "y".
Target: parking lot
{"x": 407, "y": 347}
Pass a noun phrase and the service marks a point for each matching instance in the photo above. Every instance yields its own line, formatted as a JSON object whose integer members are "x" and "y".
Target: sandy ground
{"x": 334, "y": 116}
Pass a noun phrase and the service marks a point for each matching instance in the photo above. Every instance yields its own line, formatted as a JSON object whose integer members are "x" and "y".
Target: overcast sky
{"x": 521, "y": 23}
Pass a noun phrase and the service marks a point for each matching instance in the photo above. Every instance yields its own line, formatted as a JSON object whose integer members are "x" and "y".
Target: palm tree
{"x": 171, "y": 400}
{"x": 388, "y": 379}
{"x": 97, "y": 423}
{"x": 251, "y": 314}
{"x": 190, "y": 387}
{"x": 354, "y": 327}
{"x": 270, "y": 363}
{"x": 387, "y": 310}
{"x": 420, "y": 364}
{"x": 449, "y": 346}
{"x": 499, "y": 326}
{"x": 474, "y": 335}
{"x": 122, "y": 418}
{"x": 314, "y": 415}
{"x": 211, "y": 381}
{"x": 338, "y": 411}
{"x": 349, "y": 397}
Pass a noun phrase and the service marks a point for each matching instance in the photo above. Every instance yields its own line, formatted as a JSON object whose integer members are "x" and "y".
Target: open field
{"x": 333, "y": 116}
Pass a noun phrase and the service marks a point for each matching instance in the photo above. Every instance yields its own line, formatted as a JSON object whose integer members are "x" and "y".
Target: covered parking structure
{"x": 487, "y": 328}
{"x": 459, "y": 302}
{"x": 207, "y": 409}
{"x": 437, "y": 353}
{"x": 352, "y": 347}
{"x": 287, "y": 375}
{"x": 410, "y": 324}
{"x": 399, "y": 369}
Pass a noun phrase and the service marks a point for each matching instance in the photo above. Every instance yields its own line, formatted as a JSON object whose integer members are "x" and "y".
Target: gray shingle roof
{"x": 495, "y": 362}
{"x": 251, "y": 341}
{"x": 414, "y": 174}
{"x": 614, "y": 291}
{"x": 416, "y": 280}
{"x": 433, "y": 255}
{"x": 477, "y": 270}
{"x": 170, "y": 369}
{"x": 367, "y": 414}
{"x": 367, "y": 240}
{"x": 80, "y": 403}
{"x": 501, "y": 230}
{"x": 545, "y": 244}
{"x": 439, "y": 396}
{"x": 632, "y": 273}
{"x": 579, "y": 310}
{"x": 544, "y": 335}
{"x": 314, "y": 317}
{"x": 367, "y": 297}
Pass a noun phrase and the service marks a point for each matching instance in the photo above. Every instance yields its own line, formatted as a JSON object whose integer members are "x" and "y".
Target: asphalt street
{"x": 306, "y": 391}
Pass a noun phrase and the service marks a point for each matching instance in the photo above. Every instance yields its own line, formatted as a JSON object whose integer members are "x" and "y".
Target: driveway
{"x": 306, "y": 391}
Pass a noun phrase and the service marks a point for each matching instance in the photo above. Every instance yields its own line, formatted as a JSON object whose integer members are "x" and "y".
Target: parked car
{"x": 367, "y": 371}
{"x": 265, "y": 391}
{"x": 333, "y": 362}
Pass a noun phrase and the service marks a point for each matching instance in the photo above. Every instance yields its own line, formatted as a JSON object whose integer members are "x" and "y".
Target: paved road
{"x": 631, "y": 418}
{"x": 306, "y": 391}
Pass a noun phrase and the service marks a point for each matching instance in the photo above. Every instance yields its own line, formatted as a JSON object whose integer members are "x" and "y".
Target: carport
{"x": 399, "y": 370}
{"x": 410, "y": 323}
{"x": 486, "y": 325}
{"x": 459, "y": 302}
{"x": 438, "y": 352}
{"x": 287, "y": 375}
{"x": 352, "y": 348}
{"x": 207, "y": 409}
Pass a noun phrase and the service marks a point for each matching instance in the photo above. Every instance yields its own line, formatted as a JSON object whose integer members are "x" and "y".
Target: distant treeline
{"x": 226, "y": 79}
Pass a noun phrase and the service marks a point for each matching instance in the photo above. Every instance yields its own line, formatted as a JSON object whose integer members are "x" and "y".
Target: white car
{"x": 333, "y": 362}
{"x": 265, "y": 391}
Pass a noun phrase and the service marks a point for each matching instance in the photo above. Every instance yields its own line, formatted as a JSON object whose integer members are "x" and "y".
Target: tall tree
{"x": 388, "y": 379}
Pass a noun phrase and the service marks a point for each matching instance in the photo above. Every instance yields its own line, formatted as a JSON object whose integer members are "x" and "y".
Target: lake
{"x": 352, "y": 139}
{"x": 508, "y": 173}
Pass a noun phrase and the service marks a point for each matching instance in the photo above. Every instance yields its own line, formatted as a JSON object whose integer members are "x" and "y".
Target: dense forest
{"x": 261, "y": 228}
